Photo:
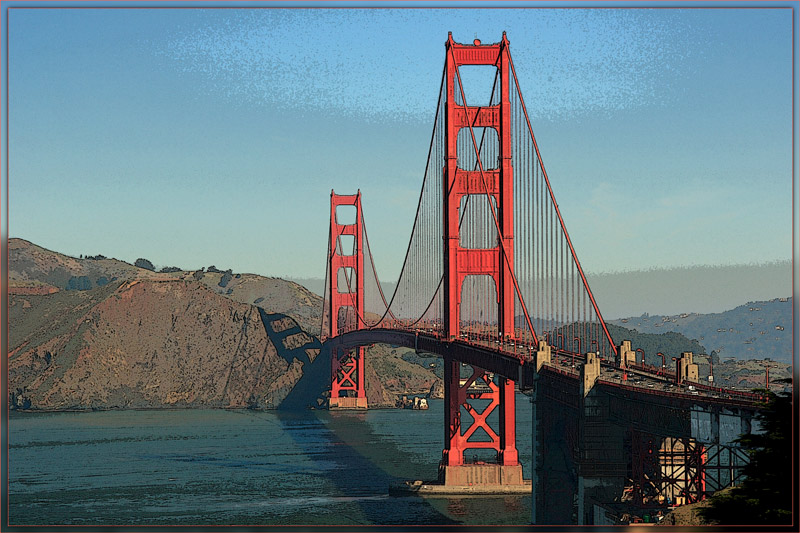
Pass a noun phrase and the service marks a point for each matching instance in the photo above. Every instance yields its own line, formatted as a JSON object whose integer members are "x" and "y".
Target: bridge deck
{"x": 513, "y": 359}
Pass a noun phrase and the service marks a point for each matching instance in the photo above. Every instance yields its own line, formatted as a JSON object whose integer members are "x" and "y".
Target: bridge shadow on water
{"x": 365, "y": 465}
{"x": 358, "y": 474}
{"x": 357, "y": 464}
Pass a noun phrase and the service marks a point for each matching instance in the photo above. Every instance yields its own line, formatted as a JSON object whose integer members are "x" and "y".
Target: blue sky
{"x": 214, "y": 136}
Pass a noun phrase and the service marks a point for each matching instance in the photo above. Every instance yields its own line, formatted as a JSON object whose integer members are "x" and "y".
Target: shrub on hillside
{"x": 144, "y": 263}
{"x": 79, "y": 283}
{"x": 226, "y": 277}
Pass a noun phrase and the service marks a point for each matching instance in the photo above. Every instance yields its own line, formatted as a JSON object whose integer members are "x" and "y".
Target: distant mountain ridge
{"x": 670, "y": 291}
{"x": 755, "y": 330}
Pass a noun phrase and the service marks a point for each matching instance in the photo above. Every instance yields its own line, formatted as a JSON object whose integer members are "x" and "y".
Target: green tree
{"x": 144, "y": 263}
{"x": 765, "y": 496}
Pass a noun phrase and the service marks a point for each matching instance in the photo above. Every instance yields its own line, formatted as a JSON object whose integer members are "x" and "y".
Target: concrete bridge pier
{"x": 602, "y": 464}
{"x": 554, "y": 443}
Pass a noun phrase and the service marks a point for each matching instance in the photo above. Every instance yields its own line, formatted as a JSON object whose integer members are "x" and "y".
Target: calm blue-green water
{"x": 240, "y": 467}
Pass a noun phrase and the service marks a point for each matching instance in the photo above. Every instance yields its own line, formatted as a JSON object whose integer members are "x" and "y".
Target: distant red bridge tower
{"x": 346, "y": 277}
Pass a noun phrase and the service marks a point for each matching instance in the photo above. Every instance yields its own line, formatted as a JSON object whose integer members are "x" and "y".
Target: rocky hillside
{"x": 101, "y": 333}
{"x": 33, "y": 269}
{"x": 31, "y": 265}
{"x": 274, "y": 295}
{"x": 399, "y": 376}
{"x": 145, "y": 343}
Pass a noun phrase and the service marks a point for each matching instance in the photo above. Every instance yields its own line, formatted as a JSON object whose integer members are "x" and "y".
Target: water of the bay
{"x": 192, "y": 467}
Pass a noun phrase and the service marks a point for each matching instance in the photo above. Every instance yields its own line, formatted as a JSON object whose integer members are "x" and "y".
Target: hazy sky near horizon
{"x": 194, "y": 137}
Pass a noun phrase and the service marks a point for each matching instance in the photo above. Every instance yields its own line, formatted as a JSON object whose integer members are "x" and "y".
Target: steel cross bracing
{"x": 489, "y": 270}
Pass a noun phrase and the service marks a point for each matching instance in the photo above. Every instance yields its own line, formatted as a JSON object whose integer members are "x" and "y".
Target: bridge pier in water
{"x": 454, "y": 470}
{"x": 348, "y": 389}
{"x": 461, "y": 261}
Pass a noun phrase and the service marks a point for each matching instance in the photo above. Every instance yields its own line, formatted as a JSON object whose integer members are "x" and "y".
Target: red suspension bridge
{"x": 490, "y": 276}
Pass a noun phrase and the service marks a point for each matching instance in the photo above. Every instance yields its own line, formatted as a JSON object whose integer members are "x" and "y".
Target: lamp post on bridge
{"x": 640, "y": 350}
{"x": 573, "y": 350}
{"x": 663, "y": 363}
{"x": 766, "y": 368}
{"x": 560, "y": 340}
{"x": 596, "y": 349}
{"x": 711, "y": 368}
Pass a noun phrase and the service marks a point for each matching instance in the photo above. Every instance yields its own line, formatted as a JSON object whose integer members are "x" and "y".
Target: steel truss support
{"x": 723, "y": 467}
{"x": 346, "y": 278}
{"x": 667, "y": 471}
{"x": 459, "y": 437}
{"x": 347, "y": 379}
{"x": 479, "y": 434}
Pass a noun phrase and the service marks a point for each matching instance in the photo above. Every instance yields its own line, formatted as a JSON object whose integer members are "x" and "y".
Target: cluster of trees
{"x": 671, "y": 344}
{"x": 765, "y": 496}
{"x": 147, "y": 265}
{"x": 79, "y": 283}
{"x": 144, "y": 263}
{"x": 227, "y": 275}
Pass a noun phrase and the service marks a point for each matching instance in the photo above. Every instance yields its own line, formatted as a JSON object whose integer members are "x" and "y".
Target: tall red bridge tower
{"x": 460, "y": 262}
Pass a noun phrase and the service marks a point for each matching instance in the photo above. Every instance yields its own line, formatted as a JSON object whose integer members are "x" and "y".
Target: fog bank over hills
{"x": 702, "y": 289}
{"x": 670, "y": 291}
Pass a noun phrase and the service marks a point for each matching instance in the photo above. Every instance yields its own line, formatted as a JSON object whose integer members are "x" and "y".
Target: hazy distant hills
{"x": 755, "y": 330}
{"x": 671, "y": 291}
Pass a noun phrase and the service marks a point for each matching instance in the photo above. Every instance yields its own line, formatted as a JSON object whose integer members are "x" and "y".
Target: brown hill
{"x": 398, "y": 376}
{"x": 144, "y": 343}
{"x": 33, "y": 269}
{"x": 101, "y": 333}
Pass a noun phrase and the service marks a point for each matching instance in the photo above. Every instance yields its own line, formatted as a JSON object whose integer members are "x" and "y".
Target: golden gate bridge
{"x": 491, "y": 279}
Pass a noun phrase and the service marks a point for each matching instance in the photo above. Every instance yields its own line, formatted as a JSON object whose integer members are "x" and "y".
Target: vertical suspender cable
{"x": 555, "y": 205}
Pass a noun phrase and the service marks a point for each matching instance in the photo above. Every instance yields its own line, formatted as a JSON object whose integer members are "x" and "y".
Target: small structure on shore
{"x": 417, "y": 403}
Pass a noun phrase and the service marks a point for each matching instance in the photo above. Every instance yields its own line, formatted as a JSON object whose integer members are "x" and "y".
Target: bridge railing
{"x": 670, "y": 374}
{"x": 523, "y": 349}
